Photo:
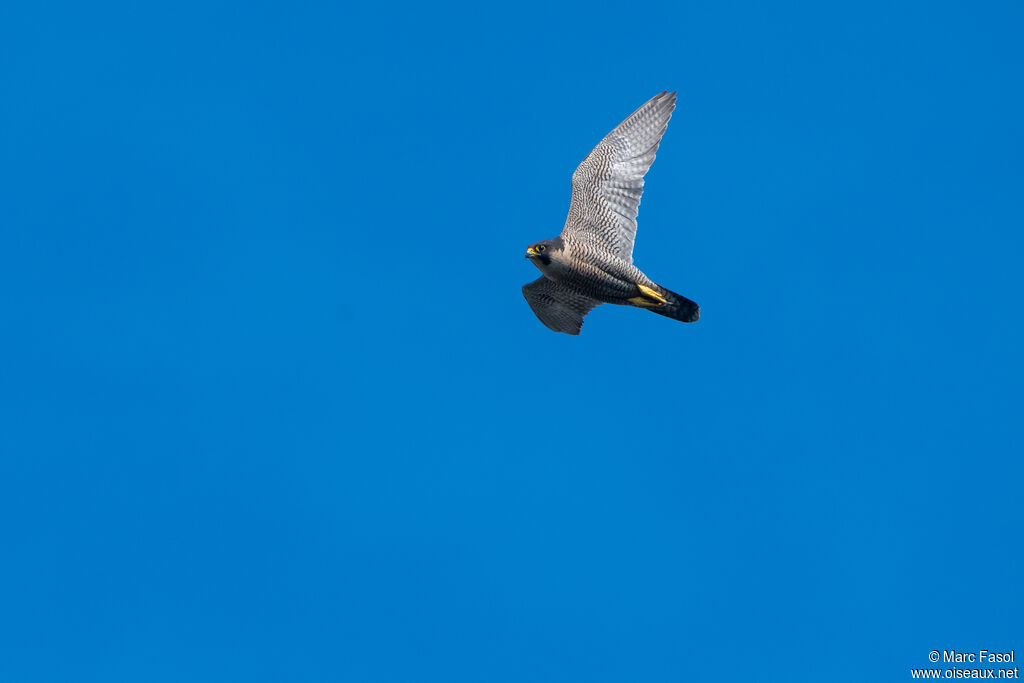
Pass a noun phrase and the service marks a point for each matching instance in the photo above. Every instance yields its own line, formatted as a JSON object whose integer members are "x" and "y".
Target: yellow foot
{"x": 650, "y": 298}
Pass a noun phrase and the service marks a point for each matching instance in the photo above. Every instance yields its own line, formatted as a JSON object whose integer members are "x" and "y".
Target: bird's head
{"x": 541, "y": 253}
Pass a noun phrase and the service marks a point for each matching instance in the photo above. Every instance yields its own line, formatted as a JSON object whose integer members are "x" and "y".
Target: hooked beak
{"x": 531, "y": 252}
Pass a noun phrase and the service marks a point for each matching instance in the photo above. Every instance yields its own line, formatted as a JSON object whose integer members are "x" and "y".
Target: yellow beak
{"x": 531, "y": 252}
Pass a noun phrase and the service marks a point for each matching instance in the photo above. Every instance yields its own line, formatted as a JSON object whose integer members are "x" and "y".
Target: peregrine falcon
{"x": 591, "y": 262}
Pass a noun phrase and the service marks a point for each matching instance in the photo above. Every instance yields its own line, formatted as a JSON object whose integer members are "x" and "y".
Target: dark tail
{"x": 677, "y": 307}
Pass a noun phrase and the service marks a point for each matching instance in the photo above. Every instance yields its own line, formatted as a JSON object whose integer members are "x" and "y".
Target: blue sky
{"x": 274, "y": 408}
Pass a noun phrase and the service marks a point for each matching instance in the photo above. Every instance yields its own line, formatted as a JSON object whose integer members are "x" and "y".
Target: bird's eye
{"x": 541, "y": 247}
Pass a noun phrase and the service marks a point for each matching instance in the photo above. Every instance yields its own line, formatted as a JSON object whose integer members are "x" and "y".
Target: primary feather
{"x": 608, "y": 184}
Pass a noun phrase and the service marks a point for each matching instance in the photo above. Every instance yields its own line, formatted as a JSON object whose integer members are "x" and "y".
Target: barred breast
{"x": 599, "y": 274}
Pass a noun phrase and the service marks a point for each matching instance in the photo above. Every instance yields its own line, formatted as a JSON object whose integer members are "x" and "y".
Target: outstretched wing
{"x": 558, "y": 307}
{"x": 606, "y": 187}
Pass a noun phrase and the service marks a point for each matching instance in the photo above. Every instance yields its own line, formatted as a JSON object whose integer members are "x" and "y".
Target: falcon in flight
{"x": 591, "y": 262}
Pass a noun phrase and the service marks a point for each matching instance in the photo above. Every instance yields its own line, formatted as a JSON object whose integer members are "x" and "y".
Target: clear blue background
{"x": 274, "y": 409}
